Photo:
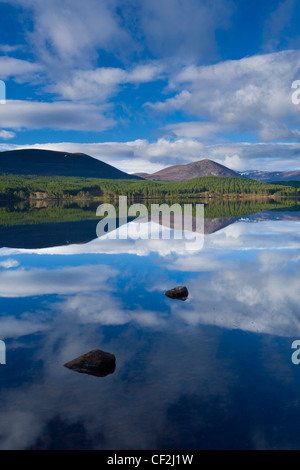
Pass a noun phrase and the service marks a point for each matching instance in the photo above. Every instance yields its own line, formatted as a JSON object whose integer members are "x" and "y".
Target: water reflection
{"x": 213, "y": 372}
{"x": 45, "y": 225}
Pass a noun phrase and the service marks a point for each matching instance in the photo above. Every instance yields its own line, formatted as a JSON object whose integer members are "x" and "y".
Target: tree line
{"x": 25, "y": 187}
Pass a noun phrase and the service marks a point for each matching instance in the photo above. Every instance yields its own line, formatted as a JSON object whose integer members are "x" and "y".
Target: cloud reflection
{"x": 244, "y": 281}
{"x": 241, "y": 235}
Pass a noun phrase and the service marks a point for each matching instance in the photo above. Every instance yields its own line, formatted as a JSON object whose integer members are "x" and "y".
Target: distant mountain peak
{"x": 271, "y": 176}
{"x": 192, "y": 170}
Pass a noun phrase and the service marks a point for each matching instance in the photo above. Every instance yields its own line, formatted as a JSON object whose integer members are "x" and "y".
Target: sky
{"x": 145, "y": 84}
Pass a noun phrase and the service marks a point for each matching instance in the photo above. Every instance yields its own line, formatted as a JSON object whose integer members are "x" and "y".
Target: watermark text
{"x": 296, "y": 354}
{"x": 296, "y": 94}
{"x": 176, "y": 221}
{"x": 2, "y": 92}
{"x": 2, "y": 352}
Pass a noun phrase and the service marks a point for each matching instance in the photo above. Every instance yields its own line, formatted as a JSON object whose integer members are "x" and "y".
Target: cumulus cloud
{"x": 146, "y": 364}
{"x": 178, "y": 102}
{"x": 258, "y": 299}
{"x": 105, "y": 309}
{"x": 9, "y": 263}
{"x": 261, "y": 235}
{"x": 184, "y": 30}
{"x": 86, "y": 295}
{"x": 249, "y": 96}
{"x": 252, "y": 94}
{"x": 194, "y": 130}
{"x": 8, "y": 49}
{"x": 100, "y": 84}
{"x": 21, "y": 70}
{"x": 69, "y": 30}
{"x": 68, "y": 39}
{"x": 98, "y": 308}
{"x": 26, "y": 325}
{"x": 62, "y": 115}
{"x": 19, "y": 428}
{"x": 6, "y": 135}
{"x": 256, "y": 292}
{"x": 23, "y": 283}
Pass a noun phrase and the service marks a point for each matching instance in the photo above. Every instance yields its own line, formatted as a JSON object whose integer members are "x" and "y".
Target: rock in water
{"x": 179, "y": 292}
{"x": 95, "y": 362}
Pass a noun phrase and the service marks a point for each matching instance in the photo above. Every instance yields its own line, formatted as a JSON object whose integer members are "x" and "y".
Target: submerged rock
{"x": 179, "y": 292}
{"x": 95, "y": 362}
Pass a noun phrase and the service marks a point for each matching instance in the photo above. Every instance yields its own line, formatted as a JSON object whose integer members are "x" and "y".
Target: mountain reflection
{"x": 213, "y": 372}
{"x": 43, "y": 226}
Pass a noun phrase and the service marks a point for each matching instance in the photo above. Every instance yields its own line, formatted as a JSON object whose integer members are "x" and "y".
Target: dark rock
{"x": 95, "y": 362}
{"x": 179, "y": 292}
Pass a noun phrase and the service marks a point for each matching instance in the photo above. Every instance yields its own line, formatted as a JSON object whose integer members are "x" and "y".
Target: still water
{"x": 213, "y": 372}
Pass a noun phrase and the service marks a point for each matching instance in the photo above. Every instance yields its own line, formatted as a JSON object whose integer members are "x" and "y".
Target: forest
{"x": 23, "y": 187}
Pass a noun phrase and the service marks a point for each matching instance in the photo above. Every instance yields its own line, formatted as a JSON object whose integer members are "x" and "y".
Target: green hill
{"x": 51, "y": 163}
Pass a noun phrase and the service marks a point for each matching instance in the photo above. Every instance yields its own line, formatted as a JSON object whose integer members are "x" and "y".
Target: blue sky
{"x": 144, "y": 84}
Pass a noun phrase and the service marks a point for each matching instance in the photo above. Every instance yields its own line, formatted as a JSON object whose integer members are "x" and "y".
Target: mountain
{"x": 52, "y": 163}
{"x": 190, "y": 171}
{"x": 269, "y": 176}
{"x": 211, "y": 168}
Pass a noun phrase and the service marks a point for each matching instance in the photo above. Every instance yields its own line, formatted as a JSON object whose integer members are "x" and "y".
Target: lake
{"x": 217, "y": 371}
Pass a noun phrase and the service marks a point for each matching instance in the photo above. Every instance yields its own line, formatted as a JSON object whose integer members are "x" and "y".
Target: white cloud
{"x": 11, "y": 327}
{"x": 19, "y": 428}
{"x": 247, "y": 96}
{"x": 104, "y": 309}
{"x": 180, "y": 101}
{"x": 23, "y": 283}
{"x": 228, "y": 298}
{"x": 233, "y": 161}
{"x": 164, "y": 360}
{"x": 184, "y": 30}
{"x": 101, "y": 308}
{"x": 96, "y": 85}
{"x": 259, "y": 235}
{"x": 143, "y": 73}
{"x": 7, "y": 48}
{"x": 194, "y": 130}
{"x": 100, "y": 84}
{"x": 252, "y": 94}
{"x": 9, "y": 263}
{"x": 19, "y": 69}
{"x": 6, "y": 135}
{"x": 67, "y": 31}
{"x": 250, "y": 293}
{"x": 258, "y": 299}
{"x": 56, "y": 115}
